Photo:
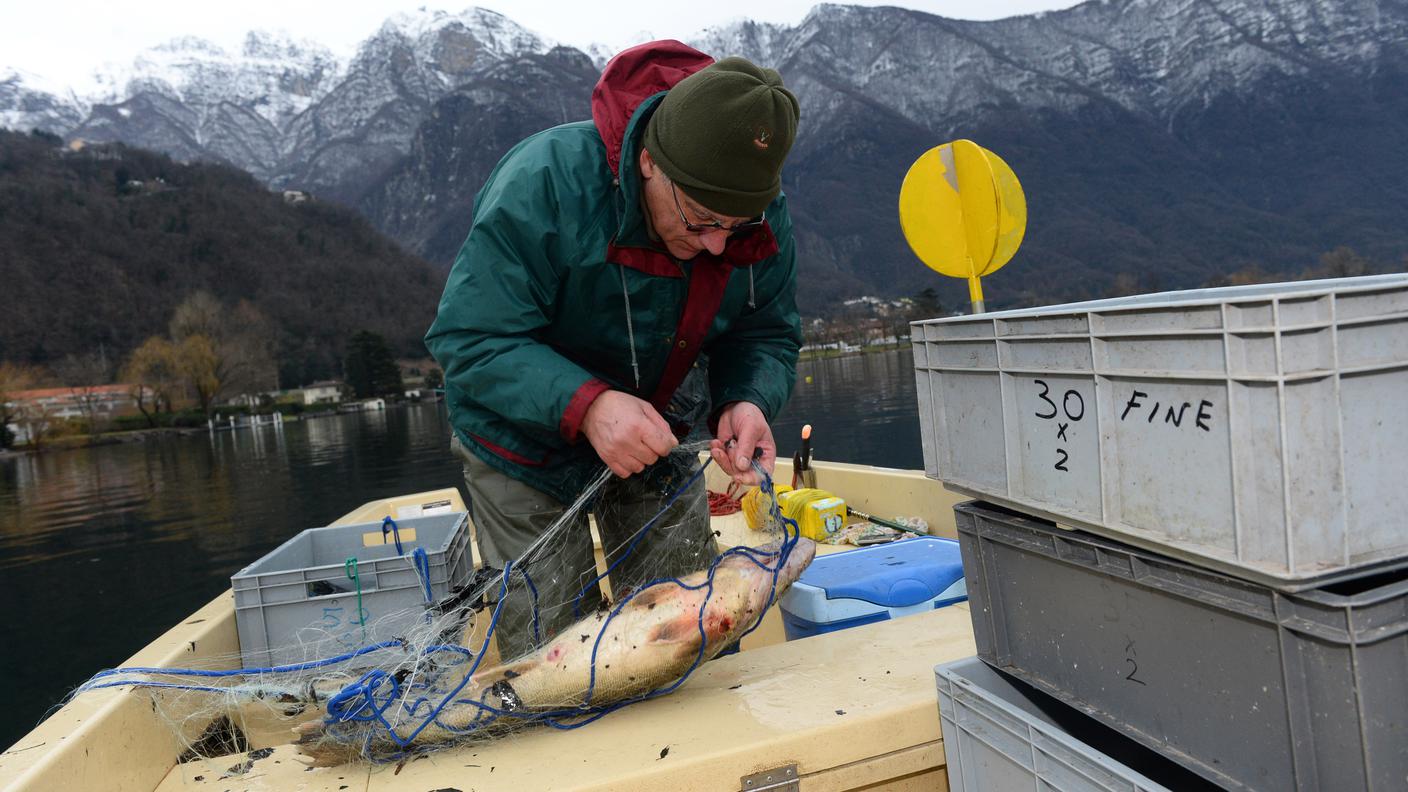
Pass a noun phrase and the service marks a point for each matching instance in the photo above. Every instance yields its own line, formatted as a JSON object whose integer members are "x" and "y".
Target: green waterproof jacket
{"x": 559, "y": 294}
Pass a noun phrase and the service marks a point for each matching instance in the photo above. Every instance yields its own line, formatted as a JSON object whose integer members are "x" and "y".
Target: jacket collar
{"x": 633, "y": 229}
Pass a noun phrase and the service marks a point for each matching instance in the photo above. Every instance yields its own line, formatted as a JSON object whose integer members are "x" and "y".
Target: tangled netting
{"x": 439, "y": 683}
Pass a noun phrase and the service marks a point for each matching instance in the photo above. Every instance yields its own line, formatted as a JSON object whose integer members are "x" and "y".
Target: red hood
{"x": 630, "y": 78}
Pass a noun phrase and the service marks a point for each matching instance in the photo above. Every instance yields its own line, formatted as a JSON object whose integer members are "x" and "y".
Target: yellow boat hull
{"x": 845, "y": 710}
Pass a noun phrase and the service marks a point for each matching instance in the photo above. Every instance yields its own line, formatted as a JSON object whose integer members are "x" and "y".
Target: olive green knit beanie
{"x": 722, "y": 133}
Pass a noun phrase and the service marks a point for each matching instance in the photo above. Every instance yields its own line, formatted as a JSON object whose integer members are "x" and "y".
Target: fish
{"x": 644, "y": 644}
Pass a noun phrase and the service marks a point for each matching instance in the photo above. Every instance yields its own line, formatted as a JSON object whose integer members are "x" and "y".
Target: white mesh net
{"x": 671, "y": 601}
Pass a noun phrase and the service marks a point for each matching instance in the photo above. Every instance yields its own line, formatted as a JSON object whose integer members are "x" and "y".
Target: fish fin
{"x": 653, "y": 596}
{"x": 682, "y": 630}
{"x": 317, "y": 748}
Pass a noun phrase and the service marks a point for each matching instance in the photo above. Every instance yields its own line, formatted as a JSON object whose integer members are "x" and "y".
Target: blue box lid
{"x": 894, "y": 575}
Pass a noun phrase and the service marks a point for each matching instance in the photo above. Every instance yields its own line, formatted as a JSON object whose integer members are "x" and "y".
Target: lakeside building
{"x": 38, "y": 406}
{"x": 327, "y": 392}
{"x": 79, "y": 401}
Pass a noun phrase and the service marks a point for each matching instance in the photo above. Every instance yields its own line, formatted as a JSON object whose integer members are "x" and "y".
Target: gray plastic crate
{"x": 1251, "y": 687}
{"x": 1261, "y": 430}
{"x": 297, "y": 603}
{"x": 1002, "y": 735}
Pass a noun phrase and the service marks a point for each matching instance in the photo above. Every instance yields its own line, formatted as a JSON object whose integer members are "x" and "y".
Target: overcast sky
{"x": 65, "y": 43}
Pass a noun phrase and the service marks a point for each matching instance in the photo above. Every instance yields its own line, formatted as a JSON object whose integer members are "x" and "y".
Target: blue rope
{"x": 339, "y": 705}
{"x": 368, "y": 699}
{"x": 421, "y": 560}
{"x": 365, "y": 690}
{"x": 635, "y": 540}
{"x": 281, "y": 669}
{"x": 388, "y": 524}
{"x": 748, "y": 553}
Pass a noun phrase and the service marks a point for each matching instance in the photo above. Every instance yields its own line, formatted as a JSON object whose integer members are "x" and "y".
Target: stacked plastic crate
{"x": 1234, "y": 464}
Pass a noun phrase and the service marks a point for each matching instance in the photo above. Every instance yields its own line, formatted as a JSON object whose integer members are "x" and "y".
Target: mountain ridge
{"x": 1167, "y": 127}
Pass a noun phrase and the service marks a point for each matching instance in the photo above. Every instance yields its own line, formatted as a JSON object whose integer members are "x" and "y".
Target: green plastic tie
{"x": 356, "y": 578}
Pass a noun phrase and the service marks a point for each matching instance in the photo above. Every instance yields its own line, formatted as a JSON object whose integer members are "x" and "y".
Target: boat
{"x": 852, "y": 709}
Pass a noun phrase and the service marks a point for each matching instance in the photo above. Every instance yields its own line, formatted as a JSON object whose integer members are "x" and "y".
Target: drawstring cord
{"x": 630, "y": 326}
{"x": 630, "y": 329}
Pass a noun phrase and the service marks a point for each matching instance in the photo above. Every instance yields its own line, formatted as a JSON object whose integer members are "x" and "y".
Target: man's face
{"x": 665, "y": 204}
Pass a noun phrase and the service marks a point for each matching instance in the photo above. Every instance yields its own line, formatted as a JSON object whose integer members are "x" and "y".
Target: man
{"x": 603, "y": 258}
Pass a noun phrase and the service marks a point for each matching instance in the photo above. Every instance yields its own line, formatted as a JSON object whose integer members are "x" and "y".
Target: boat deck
{"x": 850, "y": 709}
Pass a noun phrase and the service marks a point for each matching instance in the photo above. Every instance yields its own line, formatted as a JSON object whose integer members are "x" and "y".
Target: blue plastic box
{"x": 873, "y": 584}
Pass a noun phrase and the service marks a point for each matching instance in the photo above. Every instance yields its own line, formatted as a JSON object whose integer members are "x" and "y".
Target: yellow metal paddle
{"x": 963, "y": 212}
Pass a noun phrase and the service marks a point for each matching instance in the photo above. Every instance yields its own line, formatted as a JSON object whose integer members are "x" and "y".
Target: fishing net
{"x": 439, "y": 682}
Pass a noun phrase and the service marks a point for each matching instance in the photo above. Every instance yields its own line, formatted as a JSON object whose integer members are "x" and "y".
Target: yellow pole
{"x": 975, "y": 293}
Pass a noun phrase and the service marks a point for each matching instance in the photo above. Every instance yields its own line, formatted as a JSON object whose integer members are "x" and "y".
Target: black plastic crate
{"x": 1250, "y": 687}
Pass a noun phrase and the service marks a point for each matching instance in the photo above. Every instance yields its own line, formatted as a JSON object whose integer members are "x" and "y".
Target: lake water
{"x": 103, "y": 549}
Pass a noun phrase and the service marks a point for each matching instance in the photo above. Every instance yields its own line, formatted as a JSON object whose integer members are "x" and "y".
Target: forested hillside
{"x": 99, "y": 246}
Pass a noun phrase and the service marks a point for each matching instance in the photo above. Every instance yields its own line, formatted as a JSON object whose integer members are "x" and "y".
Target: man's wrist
{"x": 716, "y": 415}
{"x": 574, "y": 417}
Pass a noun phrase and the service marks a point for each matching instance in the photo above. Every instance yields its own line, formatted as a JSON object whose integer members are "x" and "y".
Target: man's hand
{"x": 627, "y": 433}
{"x": 742, "y": 429}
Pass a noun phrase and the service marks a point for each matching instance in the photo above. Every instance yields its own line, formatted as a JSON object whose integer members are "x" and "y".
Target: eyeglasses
{"x": 745, "y": 227}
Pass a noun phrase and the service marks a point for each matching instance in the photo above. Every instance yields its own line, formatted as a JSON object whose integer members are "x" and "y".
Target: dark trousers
{"x": 510, "y": 515}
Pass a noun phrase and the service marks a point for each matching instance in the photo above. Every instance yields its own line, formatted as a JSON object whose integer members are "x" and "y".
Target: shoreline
{"x": 106, "y": 438}
{"x": 827, "y": 354}
{"x": 148, "y": 434}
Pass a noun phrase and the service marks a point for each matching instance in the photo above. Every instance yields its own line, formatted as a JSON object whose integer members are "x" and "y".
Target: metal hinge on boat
{"x": 778, "y": 779}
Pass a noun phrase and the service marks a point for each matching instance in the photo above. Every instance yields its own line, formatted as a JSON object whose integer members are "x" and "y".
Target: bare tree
{"x": 31, "y": 416}
{"x": 223, "y": 351}
{"x": 1343, "y": 262}
{"x": 86, "y": 375}
{"x": 1247, "y": 275}
{"x": 13, "y": 379}
{"x": 1124, "y": 285}
{"x": 248, "y": 347}
{"x": 199, "y": 314}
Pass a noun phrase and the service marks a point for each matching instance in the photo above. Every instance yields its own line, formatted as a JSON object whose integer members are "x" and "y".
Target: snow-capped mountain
{"x": 423, "y": 201}
{"x": 1167, "y": 136}
{"x": 344, "y": 143}
{"x": 272, "y": 76}
{"x": 1164, "y": 137}
{"x": 287, "y": 111}
{"x": 27, "y": 101}
{"x": 194, "y": 100}
{"x": 1151, "y": 57}
{"x": 1170, "y": 137}
{"x": 280, "y": 108}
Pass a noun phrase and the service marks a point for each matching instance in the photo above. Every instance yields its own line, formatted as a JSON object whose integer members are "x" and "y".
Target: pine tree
{"x": 926, "y": 305}
{"x": 370, "y": 369}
